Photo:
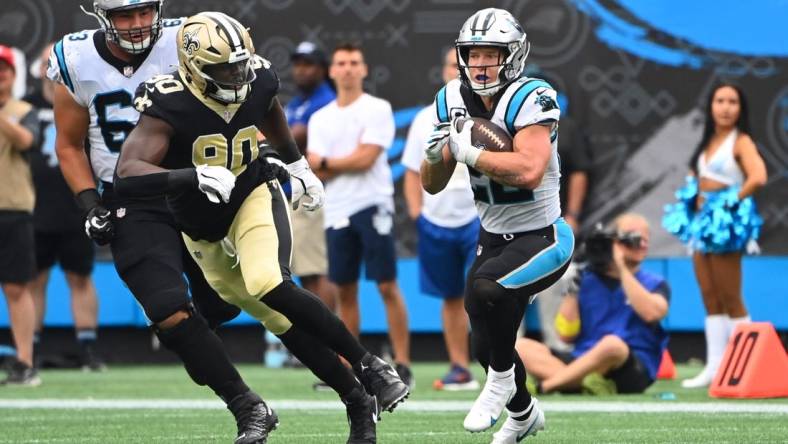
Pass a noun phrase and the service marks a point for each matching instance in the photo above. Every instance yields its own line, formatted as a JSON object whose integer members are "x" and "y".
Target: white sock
{"x": 736, "y": 321}
{"x": 716, "y": 340}
{"x": 732, "y": 322}
{"x": 500, "y": 375}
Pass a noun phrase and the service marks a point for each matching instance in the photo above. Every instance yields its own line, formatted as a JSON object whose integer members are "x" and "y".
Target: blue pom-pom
{"x": 723, "y": 224}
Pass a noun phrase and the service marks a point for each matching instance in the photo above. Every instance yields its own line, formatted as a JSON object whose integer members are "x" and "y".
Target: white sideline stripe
{"x": 414, "y": 406}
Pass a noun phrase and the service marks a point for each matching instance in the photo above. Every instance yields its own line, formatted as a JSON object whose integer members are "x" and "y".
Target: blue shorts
{"x": 368, "y": 236}
{"x": 445, "y": 254}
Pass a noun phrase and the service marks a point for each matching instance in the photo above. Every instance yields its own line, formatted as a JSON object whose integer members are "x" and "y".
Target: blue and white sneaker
{"x": 513, "y": 431}
{"x": 459, "y": 378}
{"x": 498, "y": 390}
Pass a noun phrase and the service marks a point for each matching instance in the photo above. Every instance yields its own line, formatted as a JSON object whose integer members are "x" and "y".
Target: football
{"x": 486, "y": 135}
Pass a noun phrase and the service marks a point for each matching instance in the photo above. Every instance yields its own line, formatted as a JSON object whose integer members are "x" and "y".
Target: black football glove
{"x": 273, "y": 165}
{"x": 97, "y": 221}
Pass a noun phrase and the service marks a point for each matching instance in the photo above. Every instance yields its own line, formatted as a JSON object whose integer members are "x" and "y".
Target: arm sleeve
{"x": 417, "y": 135}
{"x": 379, "y": 128}
{"x": 156, "y": 184}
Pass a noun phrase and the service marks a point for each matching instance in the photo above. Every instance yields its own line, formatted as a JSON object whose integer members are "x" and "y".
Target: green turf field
{"x": 160, "y": 404}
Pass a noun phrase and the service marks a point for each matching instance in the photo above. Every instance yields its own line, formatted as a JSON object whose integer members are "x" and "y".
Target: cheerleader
{"x": 716, "y": 217}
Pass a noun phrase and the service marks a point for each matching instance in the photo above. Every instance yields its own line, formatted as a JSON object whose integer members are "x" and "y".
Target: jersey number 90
{"x": 213, "y": 150}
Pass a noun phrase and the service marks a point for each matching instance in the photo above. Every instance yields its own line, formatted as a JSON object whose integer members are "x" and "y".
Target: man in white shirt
{"x": 448, "y": 227}
{"x": 348, "y": 139}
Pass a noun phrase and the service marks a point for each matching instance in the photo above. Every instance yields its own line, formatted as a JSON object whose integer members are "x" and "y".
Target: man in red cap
{"x": 18, "y": 132}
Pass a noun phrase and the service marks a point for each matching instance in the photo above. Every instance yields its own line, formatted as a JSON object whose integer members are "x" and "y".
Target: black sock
{"x": 521, "y": 399}
{"x": 522, "y": 415}
{"x": 323, "y": 362}
{"x": 311, "y": 315}
{"x": 203, "y": 356}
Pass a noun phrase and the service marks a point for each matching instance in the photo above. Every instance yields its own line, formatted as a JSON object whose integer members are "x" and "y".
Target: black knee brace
{"x": 485, "y": 294}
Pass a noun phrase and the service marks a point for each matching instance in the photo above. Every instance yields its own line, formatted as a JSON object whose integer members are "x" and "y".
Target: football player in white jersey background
{"x": 524, "y": 245}
{"x": 97, "y": 73}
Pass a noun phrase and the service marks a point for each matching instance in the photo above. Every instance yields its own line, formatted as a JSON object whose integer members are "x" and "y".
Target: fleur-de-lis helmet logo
{"x": 190, "y": 42}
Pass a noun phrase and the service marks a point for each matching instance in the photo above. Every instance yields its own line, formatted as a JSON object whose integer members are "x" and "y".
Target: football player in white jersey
{"x": 97, "y": 73}
{"x": 524, "y": 245}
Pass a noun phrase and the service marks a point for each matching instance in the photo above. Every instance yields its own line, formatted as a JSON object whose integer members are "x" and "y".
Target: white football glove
{"x": 303, "y": 182}
{"x": 460, "y": 144}
{"x": 433, "y": 147}
{"x": 216, "y": 182}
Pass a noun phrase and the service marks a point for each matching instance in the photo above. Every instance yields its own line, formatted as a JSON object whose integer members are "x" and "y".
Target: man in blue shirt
{"x": 614, "y": 321}
{"x": 309, "y": 68}
{"x": 309, "y": 263}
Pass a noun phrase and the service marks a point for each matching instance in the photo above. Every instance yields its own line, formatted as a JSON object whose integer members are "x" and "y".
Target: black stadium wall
{"x": 634, "y": 74}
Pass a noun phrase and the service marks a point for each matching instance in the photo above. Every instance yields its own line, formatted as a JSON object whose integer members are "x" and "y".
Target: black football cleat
{"x": 21, "y": 375}
{"x": 363, "y": 413}
{"x": 254, "y": 418}
{"x": 381, "y": 381}
{"x": 406, "y": 375}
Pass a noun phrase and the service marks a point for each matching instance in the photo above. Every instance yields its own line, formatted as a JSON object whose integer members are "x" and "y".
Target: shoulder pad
{"x": 64, "y": 61}
{"x": 532, "y": 101}
{"x": 175, "y": 22}
{"x": 266, "y": 73}
{"x": 149, "y": 97}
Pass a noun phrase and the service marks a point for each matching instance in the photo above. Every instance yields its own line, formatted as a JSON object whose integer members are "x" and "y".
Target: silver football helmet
{"x": 493, "y": 27}
{"x": 102, "y": 11}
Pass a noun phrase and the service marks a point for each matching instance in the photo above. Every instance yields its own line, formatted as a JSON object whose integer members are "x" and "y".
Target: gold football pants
{"x": 253, "y": 258}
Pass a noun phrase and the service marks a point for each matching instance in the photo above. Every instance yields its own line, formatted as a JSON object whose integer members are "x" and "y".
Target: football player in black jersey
{"x": 147, "y": 249}
{"x": 195, "y": 143}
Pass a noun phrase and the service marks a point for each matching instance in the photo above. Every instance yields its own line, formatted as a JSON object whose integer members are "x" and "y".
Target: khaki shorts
{"x": 309, "y": 243}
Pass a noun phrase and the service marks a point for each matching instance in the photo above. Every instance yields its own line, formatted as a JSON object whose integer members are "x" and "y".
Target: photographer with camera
{"x": 613, "y": 317}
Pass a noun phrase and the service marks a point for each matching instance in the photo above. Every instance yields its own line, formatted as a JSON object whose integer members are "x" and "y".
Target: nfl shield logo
{"x": 120, "y": 213}
{"x": 128, "y": 71}
{"x": 197, "y": 255}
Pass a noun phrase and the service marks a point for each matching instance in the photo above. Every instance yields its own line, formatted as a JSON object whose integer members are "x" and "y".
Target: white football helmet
{"x": 496, "y": 28}
{"x": 102, "y": 11}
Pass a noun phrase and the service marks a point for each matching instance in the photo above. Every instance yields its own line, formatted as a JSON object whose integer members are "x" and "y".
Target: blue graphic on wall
{"x": 402, "y": 120}
{"x": 677, "y": 32}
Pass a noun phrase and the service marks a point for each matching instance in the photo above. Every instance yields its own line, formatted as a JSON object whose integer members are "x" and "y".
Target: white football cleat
{"x": 513, "y": 431}
{"x": 497, "y": 392}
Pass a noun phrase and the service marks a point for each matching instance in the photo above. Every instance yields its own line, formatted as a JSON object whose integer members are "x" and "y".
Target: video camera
{"x": 599, "y": 246}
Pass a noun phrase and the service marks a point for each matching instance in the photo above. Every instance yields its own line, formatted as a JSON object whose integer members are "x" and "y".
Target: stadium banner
{"x": 635, "y": 75}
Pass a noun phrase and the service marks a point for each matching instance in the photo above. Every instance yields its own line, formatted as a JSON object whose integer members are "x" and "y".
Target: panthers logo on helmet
{"x": 190, "y": 42}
